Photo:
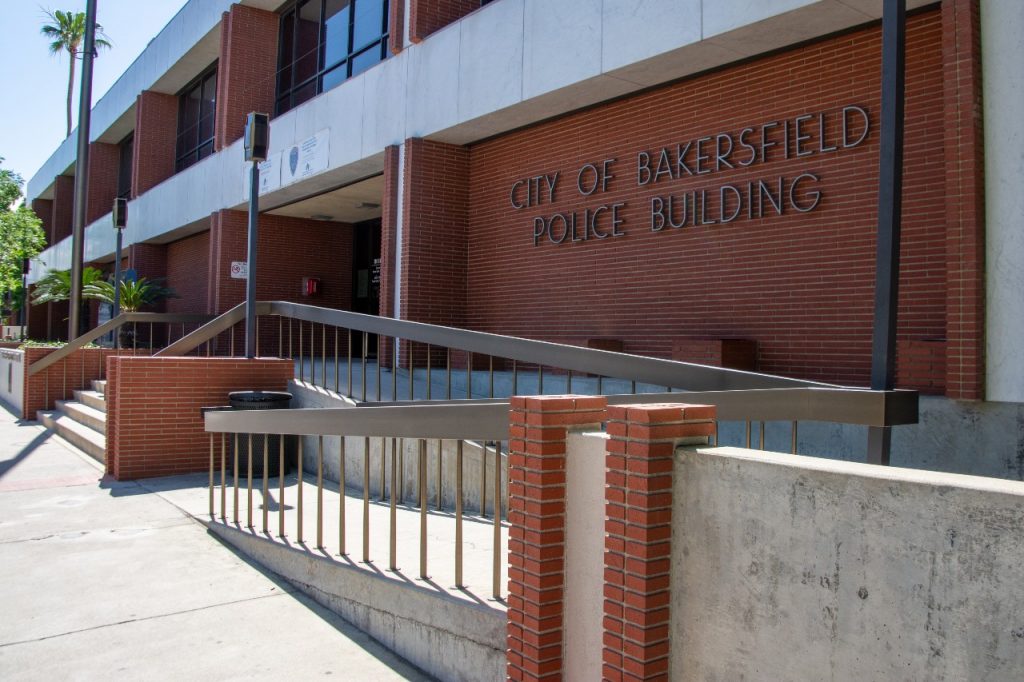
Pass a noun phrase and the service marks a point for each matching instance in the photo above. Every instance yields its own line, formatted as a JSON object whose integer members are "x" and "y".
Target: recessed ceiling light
{"x": 367, "y": 204}
{"x": 321, "y": 216}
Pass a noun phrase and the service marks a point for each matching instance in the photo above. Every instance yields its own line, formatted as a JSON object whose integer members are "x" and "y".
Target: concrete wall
{"x": 1002, "y": 32}
{"x": 12, "y": 378}
{"x": 791, "y": 568}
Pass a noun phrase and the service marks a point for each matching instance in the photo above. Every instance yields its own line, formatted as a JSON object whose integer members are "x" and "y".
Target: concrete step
{"x": 93, "y": 399}
{"x": 99, "y": 385}
{"x": 82, "y": 437}
{"x": 83, "y": 414}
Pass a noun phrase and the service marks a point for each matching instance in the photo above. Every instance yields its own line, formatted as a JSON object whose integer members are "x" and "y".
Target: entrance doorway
{"x": 366, "y": 276}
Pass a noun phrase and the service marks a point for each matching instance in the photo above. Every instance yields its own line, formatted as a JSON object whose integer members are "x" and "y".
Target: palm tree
{"x": 134, "y": 294}
{"x": 55, "y": 286}
{"x": 66, "y": 31}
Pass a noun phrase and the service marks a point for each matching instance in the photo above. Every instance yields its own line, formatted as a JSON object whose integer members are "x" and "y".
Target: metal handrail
{"x": 110, "y": 326}
{"x": 488, "y": 419}
{"x": 215, "y": 326}
{"x": 657, "y": 371}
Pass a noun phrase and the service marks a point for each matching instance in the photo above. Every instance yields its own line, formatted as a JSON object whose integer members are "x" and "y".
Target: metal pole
{"x": 890, "y": 195}
{"x": 250, "y": 279}
{"x": 81, "y": 171}
{"x": 117, "y": 284}
{"x": 24, "y": 298}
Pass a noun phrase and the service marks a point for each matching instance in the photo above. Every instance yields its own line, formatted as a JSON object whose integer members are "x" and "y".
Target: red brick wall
{"x": 61, "y": 379}
{"x": 246, "y": 70}
{"x": 154, "y": 426}
{"x": 63, "y": 208}
{"x": 396, "y": 26}
{"x": 435, "y": 205}
{"x": 187, "y": 259}
{"x": 289, "y": 249}
{"x": 965, "y": 200}
{"x": 800, "y": 284}
{"x": 156, "y": 128}
{"x": 43, "y": 208}
{"x": 427, "y": 16}
{"x": 104, "y": 160}
{"x": 921, "y": 365}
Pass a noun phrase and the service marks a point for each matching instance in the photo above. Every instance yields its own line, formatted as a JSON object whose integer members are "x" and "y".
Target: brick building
{"x": 686, "y": 179}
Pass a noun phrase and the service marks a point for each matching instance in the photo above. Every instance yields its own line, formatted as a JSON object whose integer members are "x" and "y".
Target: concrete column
{"x": 1002, "y": 46}
{"x": 642, "y": 440}
{"x": 536, "y": 516}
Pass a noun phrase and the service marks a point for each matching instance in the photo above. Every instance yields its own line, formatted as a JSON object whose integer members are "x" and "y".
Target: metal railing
{"x": 404, "y": 378}
{"x": 483, "y": 426}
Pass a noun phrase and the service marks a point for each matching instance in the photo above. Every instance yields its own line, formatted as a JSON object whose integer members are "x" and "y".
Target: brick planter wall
{"x": 60, "y": 380}
{"x": 154, "y": 426}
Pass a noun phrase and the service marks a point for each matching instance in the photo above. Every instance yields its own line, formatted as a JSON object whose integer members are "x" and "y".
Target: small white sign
{"x": 306, "y": 158}
{"x": 270, "y": 173}
{"x": 239, "y": 269}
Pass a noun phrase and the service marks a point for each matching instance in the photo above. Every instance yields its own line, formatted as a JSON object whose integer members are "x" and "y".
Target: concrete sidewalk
{"x": 104, "y": 579}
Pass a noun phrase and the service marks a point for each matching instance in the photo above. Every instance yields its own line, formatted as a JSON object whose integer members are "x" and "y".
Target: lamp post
{"x": 24, "y": 296}
{"x": 257, "y": 139}
{"x": 120, "y": 215}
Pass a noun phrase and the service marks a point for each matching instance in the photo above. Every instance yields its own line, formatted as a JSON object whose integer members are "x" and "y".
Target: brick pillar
{"x": 43, "y": 208}
{"x": 245, "y": 72}
{"x": 965, "y": 200}
{"x": 63, "y": 208}
{"x": 638, "y": 530}
{"x": 427, "y": 16}
{"x": 388, "y": 233}
{"x": 396, "y": 26}
{"x": 536, "y": 540}
{"x": 104, "y": 160}
{"x": 156, "y": 130}
{"x": 435, "y": 224}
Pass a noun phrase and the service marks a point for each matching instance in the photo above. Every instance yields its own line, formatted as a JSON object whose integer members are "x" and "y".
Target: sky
{"x": 34, "y": 83}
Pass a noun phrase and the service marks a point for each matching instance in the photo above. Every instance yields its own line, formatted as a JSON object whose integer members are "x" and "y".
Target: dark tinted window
{"x": 196, "y": 115}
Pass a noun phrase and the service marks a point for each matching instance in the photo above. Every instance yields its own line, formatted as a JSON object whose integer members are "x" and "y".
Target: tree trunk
{"x": 71, "y": 88}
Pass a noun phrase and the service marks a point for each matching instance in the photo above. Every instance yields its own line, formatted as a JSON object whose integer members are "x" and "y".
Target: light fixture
{"x": 321, "y": 216}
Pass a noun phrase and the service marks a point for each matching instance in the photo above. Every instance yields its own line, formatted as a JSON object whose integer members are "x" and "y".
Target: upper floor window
{"x": 325, "y": 42}
{"x": 197, "y": 106}
{"x": 124, "y": 167}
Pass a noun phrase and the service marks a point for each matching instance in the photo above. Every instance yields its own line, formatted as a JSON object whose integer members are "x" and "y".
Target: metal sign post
{"x": 257, "y": 139}
{"x": 890, "y": 197}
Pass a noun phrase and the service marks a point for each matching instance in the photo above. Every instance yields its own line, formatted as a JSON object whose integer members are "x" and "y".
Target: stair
{"x": 82, "y": 421}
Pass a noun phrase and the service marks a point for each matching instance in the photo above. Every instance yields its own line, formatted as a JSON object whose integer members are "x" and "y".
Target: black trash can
{"x": 263, "y": 400}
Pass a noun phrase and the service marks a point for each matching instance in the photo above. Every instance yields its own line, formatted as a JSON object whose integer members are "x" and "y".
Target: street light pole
{"x": 257, "y": 139}
{"x": 81, "y": 171}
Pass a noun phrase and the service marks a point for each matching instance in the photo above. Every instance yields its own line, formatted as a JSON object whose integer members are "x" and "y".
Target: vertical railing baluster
{"x": 393, "y": 544}
{"x": 600, "y": 385}
{"x": 299, "y": 494}
{"x": 429, "y": 369}
{"x": 280, "y": 336}
{"x": 378, "y": 379}
{"x": 366, "y": 499}
{"x": 302, "y": 355}
{"x": 568, "y": 381}
{"x": 383, "y": 469}
{"x": 496, "y": 547}
{"x": 323, "y": 355}
{"x": 540, "y": 379}
{"x": 515, "y": 378}
{"x": 223, "y": 477}
{"x": 266, "y": 481}
{"x": 312, "y": 348}
{"x": 336, "y": 377}
{"x": 748, "y": 435}
{"x": 319, "y": 491}
{"x": 483, "y": 480}
{"x": 423, "y": 508}
{"x": 280, "y": 482}
{"x": 212, "y": 466}
{"x": 394, "y": 367}
{"x": 236, "y": 479}
{"x": 469, "y": 375}
{"x": 366, "y": 342}
{"x": 257, "y": 342}
{"x": 248, "y": 486}
{"x": 761, "y": 435}
{"x": 401, "y": 470}
{"x": 291, "y": 348}
{"x": 448, "y": 373}
{"x": 718, "y": 443}
{"x": 792, "y": 437}
{"x": 439, "y": 450}
{"x": 412, "y": 372}
{"x": 349, "y": 393}
{"x": 490, "y": 376}
{"x": 458, "y": 514}
{"x": 341, "y": 489}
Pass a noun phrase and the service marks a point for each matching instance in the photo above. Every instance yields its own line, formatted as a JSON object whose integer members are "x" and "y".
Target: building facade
{"x": 693, "y": 179}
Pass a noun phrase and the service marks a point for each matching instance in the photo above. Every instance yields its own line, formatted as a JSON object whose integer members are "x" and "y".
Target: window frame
{"x": 186, "y": 158}
{"x": 288, "y": 98}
